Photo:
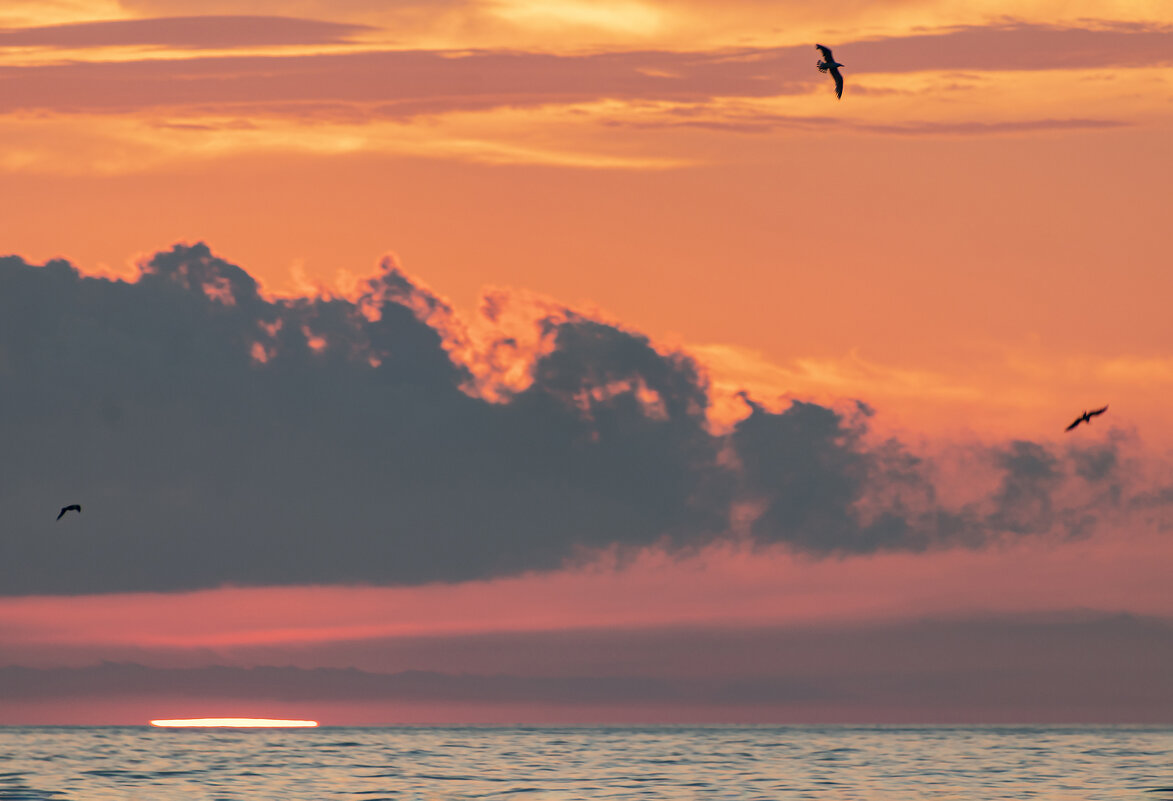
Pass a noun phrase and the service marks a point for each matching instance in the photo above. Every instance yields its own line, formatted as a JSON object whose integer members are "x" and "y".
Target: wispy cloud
{"x": 454, "y": 80}
{"x": 1018, "y": 46}
{"x": 719, "y": 117}
{"x": 196, "y": 33}
{"x": 447, "y": 80}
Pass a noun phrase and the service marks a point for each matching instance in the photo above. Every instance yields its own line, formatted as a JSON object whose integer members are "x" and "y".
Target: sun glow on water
{"x": 235, "y": 723}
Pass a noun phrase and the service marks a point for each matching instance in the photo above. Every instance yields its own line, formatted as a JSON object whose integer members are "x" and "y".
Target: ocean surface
{"x": 368, "y": 764}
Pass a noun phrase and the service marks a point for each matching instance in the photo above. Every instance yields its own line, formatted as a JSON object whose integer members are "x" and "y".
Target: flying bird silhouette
{"x": 829, "y": 64}
{"x": 1086, "y": 417}
{"x": 73, "y": 507}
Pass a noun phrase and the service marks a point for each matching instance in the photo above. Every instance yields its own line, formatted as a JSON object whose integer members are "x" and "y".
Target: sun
{"x": 234, "y": 723}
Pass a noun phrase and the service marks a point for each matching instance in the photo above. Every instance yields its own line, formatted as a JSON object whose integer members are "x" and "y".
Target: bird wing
{"x": 838, "y": 82}
{"x": 826, "y": 51}
{"x": 1097, "y": 411}
{"x": 61, "y": 514}
{"x": 1078, "y": 420}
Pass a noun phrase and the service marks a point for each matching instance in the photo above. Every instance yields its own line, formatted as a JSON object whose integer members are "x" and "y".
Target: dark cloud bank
{"x": 1074, "y": 668}
{"x": 214, "y": 436}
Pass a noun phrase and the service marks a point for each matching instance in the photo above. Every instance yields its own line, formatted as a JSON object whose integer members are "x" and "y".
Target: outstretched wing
{"x": 826, "y": 51}
{"x": 1078, "y": 420}
{"x": 1097, "y": 411}
{"x": 61, "y": 514}
{"x": 838, "y": 82}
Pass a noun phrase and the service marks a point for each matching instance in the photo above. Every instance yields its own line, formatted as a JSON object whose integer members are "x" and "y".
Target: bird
{"x": 73, "y": 507}
{"x": 832, "y": 66}
{"x": 1086, "y": 417}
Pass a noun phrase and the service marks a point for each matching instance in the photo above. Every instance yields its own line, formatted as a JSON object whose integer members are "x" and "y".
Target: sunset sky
{"x": 489, "y": 361}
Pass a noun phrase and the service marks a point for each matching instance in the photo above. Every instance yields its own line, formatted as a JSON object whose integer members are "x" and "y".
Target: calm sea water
{"x": 368, "y": 764}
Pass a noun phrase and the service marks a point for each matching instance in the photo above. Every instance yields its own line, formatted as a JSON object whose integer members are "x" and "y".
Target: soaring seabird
{"x": 1086, "y": 417}
{"x": 73, "y": 507}
{"x": 829, "y": 64}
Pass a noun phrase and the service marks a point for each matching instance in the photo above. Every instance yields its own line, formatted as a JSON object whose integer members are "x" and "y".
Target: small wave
{"x": 115, "y": 773}
{"x": 24, "y": 793}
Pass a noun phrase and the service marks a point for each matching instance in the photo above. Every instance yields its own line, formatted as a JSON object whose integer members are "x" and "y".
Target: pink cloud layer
{"x": 718, "y": 587}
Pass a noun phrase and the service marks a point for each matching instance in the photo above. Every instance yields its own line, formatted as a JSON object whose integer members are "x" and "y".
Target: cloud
{"x": 1018, "y": 46}
{"x": 748, "y": 121}
{"x": 978, "y": 128}
{"x": 821, "y": 489}
{"x": 220, "y": 437}
{"x": 1055, "y": 668}
{"x": 414, "y": 79}
{"x": 204, "y": 32}
{"x": 357, "y": 8}
{"x": 215, "y": 436}
{"x": 406, "y": 83}
{"x": 334, "y": 684}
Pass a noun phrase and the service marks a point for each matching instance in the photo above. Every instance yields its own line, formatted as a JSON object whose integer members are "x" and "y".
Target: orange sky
{"x": 973, "y": 241}
{"x": 988, "y": 235}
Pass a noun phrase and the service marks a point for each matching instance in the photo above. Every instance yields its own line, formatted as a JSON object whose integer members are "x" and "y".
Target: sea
{"x": 879, "y": 763}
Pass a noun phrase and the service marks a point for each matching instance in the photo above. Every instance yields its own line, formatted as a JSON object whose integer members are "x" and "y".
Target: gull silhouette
{"x": 832, "y": 66}
{"x": 73, "y": 507}
{"x": 1086, "y": 417}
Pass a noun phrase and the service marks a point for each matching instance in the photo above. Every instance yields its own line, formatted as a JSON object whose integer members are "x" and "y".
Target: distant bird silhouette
{"x": 1086, "y": 417}
{"x": 832, "y": 66}
{"x": 73, "y": 507}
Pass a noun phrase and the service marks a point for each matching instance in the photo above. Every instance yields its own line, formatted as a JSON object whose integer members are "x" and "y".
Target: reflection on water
{"x": 369, "y": 764}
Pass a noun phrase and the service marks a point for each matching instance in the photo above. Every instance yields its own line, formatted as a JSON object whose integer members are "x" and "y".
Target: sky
{"x": 504, "y": 361}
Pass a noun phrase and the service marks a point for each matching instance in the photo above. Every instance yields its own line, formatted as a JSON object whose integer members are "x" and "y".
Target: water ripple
{"x": 659, "y": 764}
